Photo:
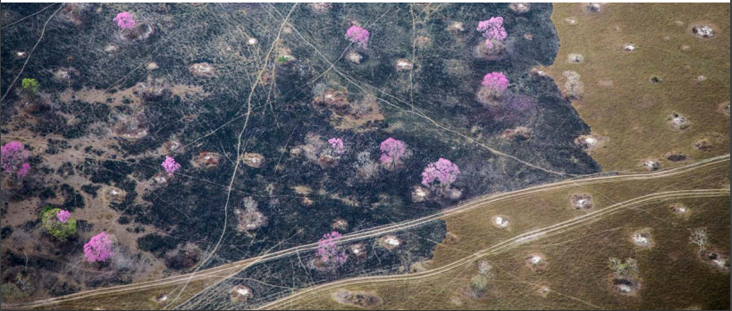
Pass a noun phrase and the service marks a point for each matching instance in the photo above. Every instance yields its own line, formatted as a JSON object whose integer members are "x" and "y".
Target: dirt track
{"x": 230, "y": 269}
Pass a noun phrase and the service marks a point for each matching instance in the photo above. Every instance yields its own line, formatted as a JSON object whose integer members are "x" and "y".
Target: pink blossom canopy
{"x": 99, "y": 248}
{"x": 23, "y": 170}
{"x": 170, "y": 165}
{"x": 443, "y": 170}
{"x": 13, "y": 159}
{"x": 391, "y": 150}
{"x": 336, "y": 145}
{"x": 492, "y": 29}
{"x": 328, "y": 251}
{"x": 125, "y": 20}
{"x": 63, "y": 216}
{"x": 358, "y": 35}
{"x": 495, "y": 81}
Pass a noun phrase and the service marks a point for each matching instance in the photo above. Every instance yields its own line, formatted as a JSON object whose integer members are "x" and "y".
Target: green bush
{"x": 30, "y": 86}
{"x": 60, "y": 231}
{"x": 479, "y": 283}
{"x": 282, "y": 60}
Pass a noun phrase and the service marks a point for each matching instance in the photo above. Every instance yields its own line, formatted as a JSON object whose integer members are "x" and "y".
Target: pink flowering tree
{"x": 14, "y": 159}
{"x": 492, "y": 30}
{"x": 328, "y": 252}
{"x": 63, "y": 216}
{"x": 358, "y": 35}
{"x": 170, "y": 165}
{"x": 99, "y": 248}
{"x": 391, "y": 151}
{"x": 125, "y": 20}
{"x": 496, "y": 83}
{"x": 441, "y": 173}
{"x": 335, "y": 147}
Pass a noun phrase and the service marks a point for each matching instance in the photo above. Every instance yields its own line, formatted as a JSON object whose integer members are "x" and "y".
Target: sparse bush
{"x": 623, "y": 270}
{"x": 183, "y": 258}
{"x": 573, "y": 88}
{"x": 478, "y": 284}
{"x": 484, "y": 268}
{"x": 21, "y": 288}
{"x": 366, "y": 167}
{"x": 250, "y": 218}
{"x": 335, "y": 148}
{"x": 328, "y": 251}
{"x": 699, "y": 237}
{"x": 58, "y": 223}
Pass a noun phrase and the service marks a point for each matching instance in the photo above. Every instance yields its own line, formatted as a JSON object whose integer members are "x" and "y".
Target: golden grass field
{"x": 621, "y": 104}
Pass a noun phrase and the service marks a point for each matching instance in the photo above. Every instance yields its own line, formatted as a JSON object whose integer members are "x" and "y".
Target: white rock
{"x": 640, "y": 239}
{"x": 575, "y": 58}
{"x": 624, "y": 288}
{"x": 111, "y": 49}
{"x": 704, "y": 31}
{"x": 242, "y": 291}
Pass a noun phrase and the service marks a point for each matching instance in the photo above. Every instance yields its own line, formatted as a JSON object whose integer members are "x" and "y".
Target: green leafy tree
{"x": 30, "y": 86}
{"x": 51, "y": 223}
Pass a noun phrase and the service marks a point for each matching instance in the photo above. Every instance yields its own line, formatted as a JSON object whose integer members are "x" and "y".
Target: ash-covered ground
{"x": 245, "y": 98}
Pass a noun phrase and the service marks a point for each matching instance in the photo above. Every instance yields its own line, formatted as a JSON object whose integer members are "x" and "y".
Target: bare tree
{"x": 484, "y": 267}
{"x": 250, "y": 203}
{"x": 699, "y": 237}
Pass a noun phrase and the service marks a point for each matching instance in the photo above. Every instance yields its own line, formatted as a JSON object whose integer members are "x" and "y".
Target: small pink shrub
{"x": 125, "y": 20}
{"x": 170, "y": 165}
{"x": 23, "y": 171}
{"x": 13, "y": 157}
{"x": 63, "y": 216}
{"x": 358, "y": 36}
{"x": 99, "y": 248}
{"x": 328, "y": 250}
{"x": 336, "y": 147}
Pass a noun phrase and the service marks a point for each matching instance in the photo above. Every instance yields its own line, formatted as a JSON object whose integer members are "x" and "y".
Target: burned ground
{"x": 79, "y": 151}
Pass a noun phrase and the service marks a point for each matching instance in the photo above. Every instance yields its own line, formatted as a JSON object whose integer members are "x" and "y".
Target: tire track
{"x": 239, "y": 266}
{"x": 508, "y": 244}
